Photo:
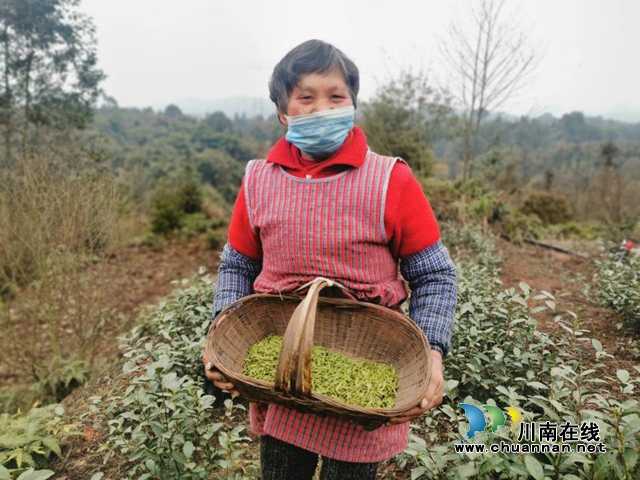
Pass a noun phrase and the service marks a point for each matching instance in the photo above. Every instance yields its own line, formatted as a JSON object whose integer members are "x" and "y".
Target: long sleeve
{"x": 432, "y": 279}
{"x": 236, "y": 275}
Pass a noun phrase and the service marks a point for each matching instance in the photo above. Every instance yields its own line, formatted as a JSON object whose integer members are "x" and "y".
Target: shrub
{"x": 574, "y": 230}
{"x": 30, "y": 440}
{"x": 60, "y": 378}
{"x": 163, "y": 422}
{"x": 172, "y": 202}
{"x": 153, "y": 241}
{"x": 195, "y": 223}
{"x": 495, "y": 342}
{"x": 518, "y": 226}
{"x": 57, "y": 213}
{"x": 442, "y": 196}
{"x": 48, "y": 211}
{"x": 222, "y": 172}
{"x": 216, "y": 239}
{"x": 166, "y": 214}
{"x": 549, "y": 207}
{"x": 619, "y": 287}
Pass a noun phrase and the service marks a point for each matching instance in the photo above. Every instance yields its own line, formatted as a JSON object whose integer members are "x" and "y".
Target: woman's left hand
{"x": 434, "y": 391}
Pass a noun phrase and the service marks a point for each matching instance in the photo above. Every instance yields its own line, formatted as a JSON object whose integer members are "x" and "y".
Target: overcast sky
{"x": 158, "y": 51}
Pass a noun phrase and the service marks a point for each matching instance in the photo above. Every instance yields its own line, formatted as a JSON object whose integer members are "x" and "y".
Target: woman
{"x": 322, "y": 204}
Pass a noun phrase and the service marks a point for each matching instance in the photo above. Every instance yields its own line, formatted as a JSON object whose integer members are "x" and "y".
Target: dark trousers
{"x": 283, "y": 461}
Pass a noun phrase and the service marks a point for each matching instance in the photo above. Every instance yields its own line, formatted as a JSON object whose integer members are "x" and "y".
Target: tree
{"x": 490, "y": 60}
{"x": 48, "y": 66}
{"x": 219, "y": 122}
{"x": 609, "y": 151}
{"x": 173, "y": 111}
{"x": 404, "y": 118}
{"x": 610, "y": 185}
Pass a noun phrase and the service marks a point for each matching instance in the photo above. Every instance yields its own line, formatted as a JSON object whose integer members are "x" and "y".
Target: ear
{"x": 281, "y": 117}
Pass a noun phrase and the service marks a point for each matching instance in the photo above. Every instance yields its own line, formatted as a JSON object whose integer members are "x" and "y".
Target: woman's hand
{"x": 218, "y": 379}
{"x": 433, "y": 397}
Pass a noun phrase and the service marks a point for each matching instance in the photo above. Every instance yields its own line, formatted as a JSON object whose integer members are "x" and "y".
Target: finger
{"x": 434, "y": 402}
{"x": 410, "y": 415}
{"x": 229, "y": 387}
{"x": 431, "y": 401}
{"x": 216, "y": 375}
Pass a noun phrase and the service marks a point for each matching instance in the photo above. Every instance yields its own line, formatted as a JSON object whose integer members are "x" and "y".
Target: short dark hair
{"x": 312, "y": 56}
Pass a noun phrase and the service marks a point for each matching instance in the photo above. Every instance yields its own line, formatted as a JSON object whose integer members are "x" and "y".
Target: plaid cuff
{"x": 432, "y": 279}
{"x": 236, "y": 275}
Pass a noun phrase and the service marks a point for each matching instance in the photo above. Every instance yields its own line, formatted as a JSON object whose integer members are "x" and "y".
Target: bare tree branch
{"x": 491, "y": 61}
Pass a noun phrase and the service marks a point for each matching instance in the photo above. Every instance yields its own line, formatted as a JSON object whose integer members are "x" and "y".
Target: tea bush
{"x": 618, "y": 285}
{"x": 163, "y": 422}
{"x": 166, "y": 426}
{"x": 498, "y": 357}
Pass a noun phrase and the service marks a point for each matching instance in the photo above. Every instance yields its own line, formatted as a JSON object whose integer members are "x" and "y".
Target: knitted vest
{"x": 329, "y": 227}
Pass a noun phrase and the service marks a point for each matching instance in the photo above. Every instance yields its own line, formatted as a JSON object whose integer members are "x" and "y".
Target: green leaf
{"x": 596, "y": 344}
{"x": 467, "y": 470}
{"x": 4, "y": 473}
{"x": 417, "y": 472}
{"x": 623, "y": 375}
{"x": 534, "y": 467}
{"x": 491, "y": 464}
{"x": 602, "y": 465}
{"x": 188, "y": 449}
{"x": 538, "y": 385}
{"x": 170, "y": 381}
{"x": 631, "y": 457}
{"x": 36, "y": 475}
{"x": 631, "y": 428}
{"x": 97, "y": 476}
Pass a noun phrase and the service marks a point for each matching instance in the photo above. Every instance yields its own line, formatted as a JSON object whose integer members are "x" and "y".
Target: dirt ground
{"x": 129, "y": 280}
{"x": 144, "y": 276}
{"x": 569, "y": 279}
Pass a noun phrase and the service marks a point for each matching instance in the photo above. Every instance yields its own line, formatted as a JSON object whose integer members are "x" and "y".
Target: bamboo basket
{"x": 359, "y": 330}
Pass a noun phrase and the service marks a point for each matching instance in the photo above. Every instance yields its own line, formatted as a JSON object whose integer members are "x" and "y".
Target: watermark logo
{"x": 478, "y": 423}
{"x": 533, "y": 437}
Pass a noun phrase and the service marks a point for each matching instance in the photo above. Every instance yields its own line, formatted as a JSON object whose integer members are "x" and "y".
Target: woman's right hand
{"x": 218, "y": 379}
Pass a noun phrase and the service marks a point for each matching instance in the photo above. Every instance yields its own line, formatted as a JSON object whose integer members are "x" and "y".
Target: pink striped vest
{"x": 331, "y": 227}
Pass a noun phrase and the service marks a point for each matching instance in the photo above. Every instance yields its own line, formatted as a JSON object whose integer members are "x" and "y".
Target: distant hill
{"x": 250, "y": 106}
{"x": 624, "y": 115}
{"x": 254, "y": 106}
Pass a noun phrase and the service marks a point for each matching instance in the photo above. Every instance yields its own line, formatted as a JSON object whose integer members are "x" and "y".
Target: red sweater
{"x": 409, "y": 221}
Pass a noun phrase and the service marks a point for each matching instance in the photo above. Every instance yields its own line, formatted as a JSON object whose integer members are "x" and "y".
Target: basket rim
{"x": 268, "y": 387}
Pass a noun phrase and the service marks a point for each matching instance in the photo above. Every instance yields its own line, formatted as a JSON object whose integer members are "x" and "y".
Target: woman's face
{"x": 316, "y": 92}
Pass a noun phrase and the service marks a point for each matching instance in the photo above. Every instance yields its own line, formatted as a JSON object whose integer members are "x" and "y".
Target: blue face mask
{"x": 320, "y": 134}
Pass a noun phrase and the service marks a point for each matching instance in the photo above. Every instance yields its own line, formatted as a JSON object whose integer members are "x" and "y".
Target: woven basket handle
{"x": 293, "y": 375}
